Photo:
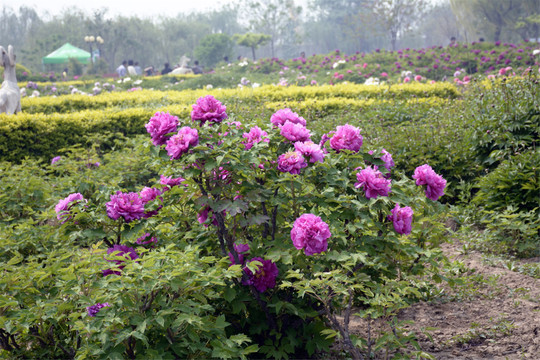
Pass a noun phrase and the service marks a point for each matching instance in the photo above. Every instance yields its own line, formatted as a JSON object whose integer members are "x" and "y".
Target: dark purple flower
{"x": 94, "y": 309}
{"x": 240, "y": 250}
{"x": 123, "y": 251}
{"x": 142, "y": 240}
{"x": 264, "y": 278}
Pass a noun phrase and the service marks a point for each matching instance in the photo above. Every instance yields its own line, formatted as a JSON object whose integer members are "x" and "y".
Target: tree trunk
{"x": 253, "y": 52}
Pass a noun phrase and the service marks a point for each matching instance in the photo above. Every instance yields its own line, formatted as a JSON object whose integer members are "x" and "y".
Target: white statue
{"x": 183, "y": 68}
{"x": 10, "y": 96}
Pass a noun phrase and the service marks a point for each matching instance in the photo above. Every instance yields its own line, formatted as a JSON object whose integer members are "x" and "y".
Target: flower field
{"x": 273, "y": 221}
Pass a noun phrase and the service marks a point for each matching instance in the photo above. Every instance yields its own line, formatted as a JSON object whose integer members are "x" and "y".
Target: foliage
{"x": 213, "y": 48}
{"x": 515, "y": 182}
{"x": 252, "y": 41}
{"x": 181, "y": 298}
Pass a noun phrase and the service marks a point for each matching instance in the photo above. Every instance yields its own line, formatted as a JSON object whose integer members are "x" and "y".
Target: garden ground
{"x": 495, "y": 314}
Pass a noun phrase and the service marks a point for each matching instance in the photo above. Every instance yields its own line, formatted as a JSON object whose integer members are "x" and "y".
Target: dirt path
{"x": 495, "y": 315}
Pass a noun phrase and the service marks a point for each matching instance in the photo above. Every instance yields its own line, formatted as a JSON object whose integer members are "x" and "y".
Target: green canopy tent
{"x": 64, "y": 53}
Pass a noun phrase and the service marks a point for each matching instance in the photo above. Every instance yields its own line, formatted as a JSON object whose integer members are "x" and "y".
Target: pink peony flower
{"x": 129, "y": 206}
{"x": 309, "y": 148}
{"x": 254, "y": 136}
{"x": 425, "y": 175}
{"x": 372, "y": 182}
{"x": 291, "y": 162}
{"x": 402, "y": 219}
{"x": 310, "y": 233}
{"x": 148, "y": 194}
{"x": 160, "y": 125}
{"x": 169, "y": 182}
{"x": 294, "y": 132}
{"x": 406, "y": 80}
{"x": 63, "y": 207}
{"x": 264, "y": 278}
{"x": 281, "y": 116}
{"x": 55, "y": 159}
{"x": 346, "y": 137}
{"x": 142, "y": 240}
{"x": 387, "y": 158}
{"x": 128, "y": 253}
{"x": 180, "y": 143}
{"x": 208, "y": 109}
{"x": 418, "y": 78}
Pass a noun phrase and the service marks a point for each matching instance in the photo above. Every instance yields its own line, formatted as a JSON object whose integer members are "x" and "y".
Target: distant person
{"x": 131, "y": 69}
{"x": 122, "y": 69}
{"x": 226, "y": 59}
{"x": 452, "y": 41}
{"x": 149, "y": 71}
{"x": 303, "y": 55}
{"x": 65, "y": 74}
{"x": 138, "y": 69}
{"x": 481, "y": 40}
{"x": 167, "y": 69}
{"x": 197, "y": 69}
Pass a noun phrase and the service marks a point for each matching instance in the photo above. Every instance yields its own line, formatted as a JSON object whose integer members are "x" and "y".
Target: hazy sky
{"x": 139, "y": 8}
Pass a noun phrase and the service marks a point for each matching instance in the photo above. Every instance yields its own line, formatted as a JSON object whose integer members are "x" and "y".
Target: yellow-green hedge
{"x": 42, "y": 135}
{"x": 267, "y": 93}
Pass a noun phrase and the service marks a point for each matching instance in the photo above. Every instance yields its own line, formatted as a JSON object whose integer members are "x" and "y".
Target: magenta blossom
{"x": 129, "y": 206}
{"x": 294, "y": 132}
{"x": 254, "y": 136}
{"x": 144, "y": 241}
{"x": 208, "y": 109}
{"x": 372, "y": 182}
{"x": 291, "y": 162}
{"x": 148, "y": 194}
{"x": 280, "y": 117}
{"x": 309, "y": 148}
{"x": 126, "y": 252}
{"x": 346, "y": 137}
{"x": 94, "y": 309}
{"x": 63, "y": 207}
{"x": 170, "y": 182}
{"x": 240, "y": 250}
{"x": 310, "y": 233}
{"x": 55, "y": 160}
{"x": 402, "y": 219}
{"x": 425, "y": 175}
{"x": 180, "y": 143}
{"x": 387, "y": 158}
{"x": 160, "y": 125}
{"x": 264, "y": 278}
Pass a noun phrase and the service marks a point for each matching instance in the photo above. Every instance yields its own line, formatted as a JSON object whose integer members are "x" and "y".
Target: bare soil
{"x": 495, "y": 315}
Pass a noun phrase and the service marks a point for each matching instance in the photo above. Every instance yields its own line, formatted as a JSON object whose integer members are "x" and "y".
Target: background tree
{"x": 252, "y": 41}
{"x": 278, "y": 18}
{"x": 213, "y": 48}
{"x": 398, "y": 16}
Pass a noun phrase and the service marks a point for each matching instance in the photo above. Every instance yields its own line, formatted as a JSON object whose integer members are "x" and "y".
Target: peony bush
{"x": 251, "y": 239}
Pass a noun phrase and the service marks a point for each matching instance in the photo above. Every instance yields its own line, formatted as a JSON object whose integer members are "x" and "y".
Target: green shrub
{"x": 515, "y": 182}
